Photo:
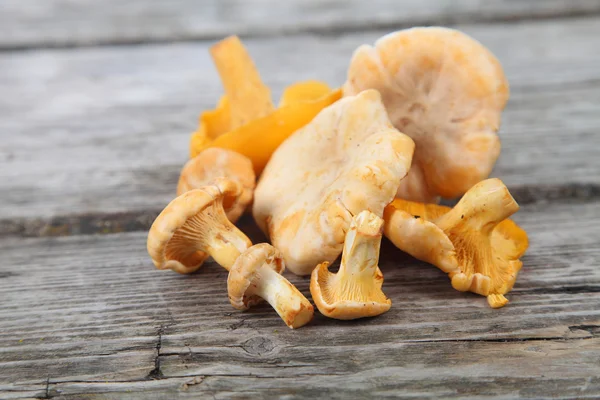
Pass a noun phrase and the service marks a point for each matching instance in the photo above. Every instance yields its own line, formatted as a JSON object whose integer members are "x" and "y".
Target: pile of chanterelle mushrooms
{"x": 415, "y": 121}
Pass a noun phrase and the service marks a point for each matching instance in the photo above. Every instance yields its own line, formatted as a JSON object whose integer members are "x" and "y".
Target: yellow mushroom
{"x": 446, "y": 91}
{"x": 258, "y": 139}
{"x": 473, "y": 242}
{"x": 194, "y": 226}
{"x": 348, "y": 159}
{"x": 355, "y": 290}
{"x": 214, "y": 163}
{"x": 245, "y": 119}
{"x": 248, "y": 96}
{"x": 256, "y": 275}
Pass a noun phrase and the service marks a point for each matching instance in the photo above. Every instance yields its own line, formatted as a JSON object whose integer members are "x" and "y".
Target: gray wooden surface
{"x": 109, "y": 128}
{"x": 91, "y": 141}
{"x": 67, "y": 23}
{"x": 80, "y": 311}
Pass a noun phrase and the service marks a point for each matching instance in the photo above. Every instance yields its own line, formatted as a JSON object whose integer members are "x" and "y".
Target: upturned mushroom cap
{"x": 355, "y": 290}
{"x": 348, "y": 159}
{"x": 409, "y": 226}
{"x": 214, "y": 163}
{"x": 194, "y": 226}
{"x": 446, "y": 91}
{"x": 256, "y": 275}
{"x": 473, "y": 242}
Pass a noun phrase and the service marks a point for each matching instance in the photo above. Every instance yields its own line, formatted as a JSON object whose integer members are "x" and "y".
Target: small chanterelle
{"x": 194, "y": 226}
{"x": 355, "y": 290}
{"x": 348, "y": 159}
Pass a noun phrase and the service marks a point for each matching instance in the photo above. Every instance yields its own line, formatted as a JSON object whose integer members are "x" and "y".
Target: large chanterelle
{"x": 350, "y": 158}
{"x": 446, "y": 91}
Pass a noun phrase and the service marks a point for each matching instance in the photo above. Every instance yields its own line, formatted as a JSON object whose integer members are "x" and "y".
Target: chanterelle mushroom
{"x": 214, "y": 163}
{"x": 256, "y": 275}
{"x": 194, "y": 226}
{"x": 473, "y": 242}
{"x": 249, "y": 97}
{"x": 446, "y": 91}
{"x": 348, "y": 159}
{"x": 245, "y": 119}
{"x": 355, "y": 290}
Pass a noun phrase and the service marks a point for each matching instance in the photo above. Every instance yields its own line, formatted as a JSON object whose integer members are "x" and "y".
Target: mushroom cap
{"x": 215, "y": 163}
{"x": 244, "y": 270}
{"x": 459, "y": 240}
{"x": 376, "y": 303}
{"x": 172, "y": 235}
{"x": 446, "y": 91}
{"x": 415, "y": 234}
{"x": 211, "y": 125}
{"x": 349, "y": 158}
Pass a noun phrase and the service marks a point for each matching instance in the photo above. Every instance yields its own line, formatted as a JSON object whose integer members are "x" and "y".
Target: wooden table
{"x": 97, "y": 100}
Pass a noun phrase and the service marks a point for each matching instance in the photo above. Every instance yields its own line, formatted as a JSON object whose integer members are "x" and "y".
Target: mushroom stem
{"x": 361, "y": 248}
{"x": 482, "y": 208}
{"x": 227, "y": 245}
{"x": 355, "y": 291}
{"x": 215, "y": 235}
{"x": 290, "y": 304}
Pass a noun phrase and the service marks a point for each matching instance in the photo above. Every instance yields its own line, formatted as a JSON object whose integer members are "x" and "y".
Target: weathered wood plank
{"x": 382, "y": 383}
{"x": 469, "y": 369}
{"x": 79, "y": 311}
{"x": 106, "y": 130}
{"x": 540, "y": 370}
{"x": 52, "y": 23}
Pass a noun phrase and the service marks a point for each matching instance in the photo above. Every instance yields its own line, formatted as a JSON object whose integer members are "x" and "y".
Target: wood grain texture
{"x": 536, "y": 370}
{"x": 106, "y": 130}
{"x": 65, "y": 23}
{"x": 90, "y": 316}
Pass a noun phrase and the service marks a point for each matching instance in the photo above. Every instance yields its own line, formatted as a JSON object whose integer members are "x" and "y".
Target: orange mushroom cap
{"x": 446, "y": 91}
{"x": 346, "y": 160}
{"x": 214, "y": 163}
{"x": 473, "y": 242}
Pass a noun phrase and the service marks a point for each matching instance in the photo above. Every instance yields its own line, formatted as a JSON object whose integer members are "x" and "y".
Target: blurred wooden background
{"x": 98, "y": 99}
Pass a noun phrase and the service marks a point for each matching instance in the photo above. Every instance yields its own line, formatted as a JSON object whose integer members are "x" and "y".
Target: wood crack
{"x": 503, "y": 340}
{"x": 47, "y": 396}
{"x": 593, "y": 330}
{"x": 156, "y": 373}
{"x": 576, "y": 289}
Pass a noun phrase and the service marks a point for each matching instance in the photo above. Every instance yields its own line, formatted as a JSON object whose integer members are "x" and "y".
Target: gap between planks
{"x": 132, "y": 221}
